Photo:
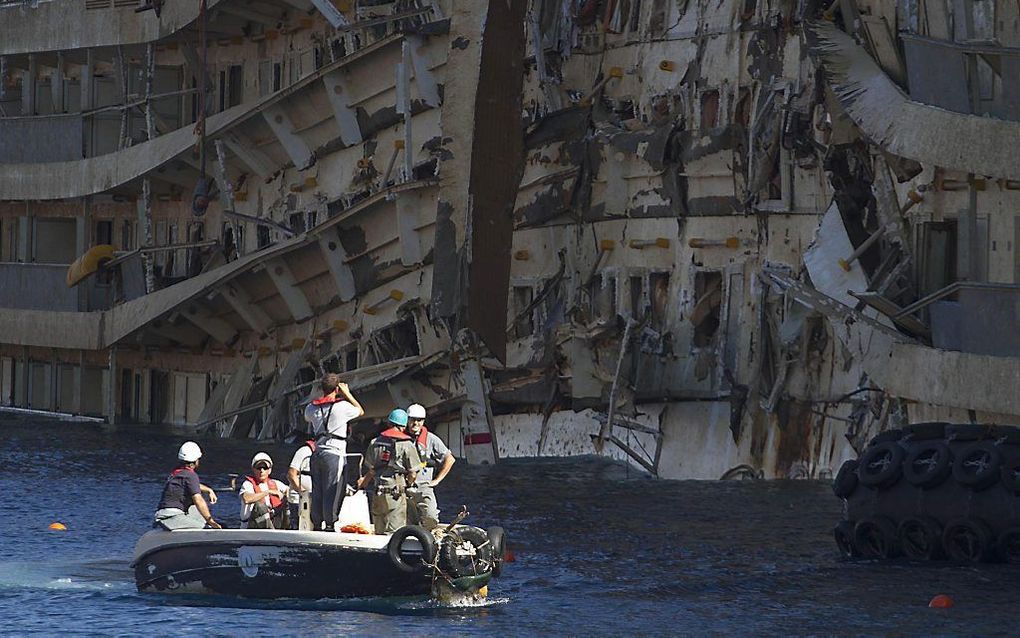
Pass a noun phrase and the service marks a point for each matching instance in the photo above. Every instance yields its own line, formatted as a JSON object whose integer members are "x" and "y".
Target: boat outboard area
{"x": 453, "y": 562}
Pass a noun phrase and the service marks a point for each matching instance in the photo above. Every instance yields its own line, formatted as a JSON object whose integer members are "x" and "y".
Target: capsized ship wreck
{"x": 712, "y": 239}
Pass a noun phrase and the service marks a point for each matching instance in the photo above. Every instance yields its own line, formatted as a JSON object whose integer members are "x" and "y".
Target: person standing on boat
{"x": 181, "y": 505}
{"x": 299, "y": 476}
{"x": 392, "y": 463}
{"x": 263, "y": 499}
{"x": 422, "y": 507}
{"x": 328, "y": 417}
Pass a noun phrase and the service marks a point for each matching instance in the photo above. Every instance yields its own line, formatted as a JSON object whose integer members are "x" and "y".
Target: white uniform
{"x": 339, "y": 414}
{"x": 329, "y": 422}
{"x": 300, "y": 462}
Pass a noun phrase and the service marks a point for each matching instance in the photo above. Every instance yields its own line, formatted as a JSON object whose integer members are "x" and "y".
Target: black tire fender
{"x": 1010, "y": 476}
{"x": 846, "y": 479}
{"x": 886, "y": 436}
{"x": 977, "y": 465}
{"x": 1009, "y": 434}
{"x": 458, "y": 566}
{"x": 1008, "y": 545}
{"x": 875, "y": 537}
{"x": 881, "y": 465}
{"x": 844, "y": 535}
{"x": 925, "y": 431}
{"x": 425, "y": 539}
{"x": 968, "y": 540}
{"x": 928, "y": 465}
{"x": 968, "y": 431}
{"x": 920, "y": 538}
{"x": 497, "y": 539}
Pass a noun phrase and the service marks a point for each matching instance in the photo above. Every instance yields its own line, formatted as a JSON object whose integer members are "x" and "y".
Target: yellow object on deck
{"x": 88, "y": 263}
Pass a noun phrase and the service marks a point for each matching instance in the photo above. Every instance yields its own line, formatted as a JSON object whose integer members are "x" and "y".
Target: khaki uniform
{"x": 422, "y": 508}
{"x": 391, "y": 459}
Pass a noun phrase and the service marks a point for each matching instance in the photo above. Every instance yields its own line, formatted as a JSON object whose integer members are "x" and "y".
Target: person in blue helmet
{"x": 391, "y": 464}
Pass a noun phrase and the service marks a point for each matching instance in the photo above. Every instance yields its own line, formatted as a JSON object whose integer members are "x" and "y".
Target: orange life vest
{"x": 386, "y": 442}
{"x": 326, "y": 400}
{"x": 274, "y": 501}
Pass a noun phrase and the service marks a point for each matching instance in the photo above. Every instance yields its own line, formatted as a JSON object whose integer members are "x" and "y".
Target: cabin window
{"x": 706, "y": 313}
{"x": 524, "y": 322}
{"x": 709, "y": 109}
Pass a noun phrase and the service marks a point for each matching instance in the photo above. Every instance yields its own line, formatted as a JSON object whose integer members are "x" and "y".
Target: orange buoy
{"x": 508, "y": 556}
{"x": 941, "y": 602}
{"x": 60, "y": 527}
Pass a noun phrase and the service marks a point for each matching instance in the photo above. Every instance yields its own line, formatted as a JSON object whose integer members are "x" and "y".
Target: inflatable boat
{"x": 255, "y": 563}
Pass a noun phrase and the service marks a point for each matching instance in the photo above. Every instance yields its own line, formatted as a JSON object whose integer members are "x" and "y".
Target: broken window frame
{"x": 709, "y": 109}
{"x": 522, "y": 296}
{"x": 713, "y": 340}
{"x": 604, "y": 297}
{"x": 127, "y": 234}
{"x": 659, "y": 319}
{"x": 637, "y": 306}
{"x": 376, "y": 349}
{"x": 783, "y": 203}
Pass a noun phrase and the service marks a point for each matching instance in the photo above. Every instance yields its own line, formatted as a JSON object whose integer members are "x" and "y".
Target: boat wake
{"x": 106, "y": 575}
{"x": 465, "y": 603}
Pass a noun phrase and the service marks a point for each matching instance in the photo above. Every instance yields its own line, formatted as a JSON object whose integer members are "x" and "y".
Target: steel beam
{"x": 177, "y": 334}
{"x": 288, "y": 288}
{"x": 331, "y": 13}
{"x": 278, "y": 120}
{"x": 428, "y": 89}
{"x": 252, "y": 315}
{"x": 28, "y": 86}
{"x": 407, "y": 225}
{"x": 218, "y": 329}
{"x": 254, "y": 159}
{"x": 346, "y": 117}
{"x": 336, "y": 258}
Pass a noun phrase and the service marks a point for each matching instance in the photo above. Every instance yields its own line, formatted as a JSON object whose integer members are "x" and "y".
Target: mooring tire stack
{"x": 933, "y": 491}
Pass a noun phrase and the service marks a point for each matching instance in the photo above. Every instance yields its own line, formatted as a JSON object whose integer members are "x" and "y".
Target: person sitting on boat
{"x": 328, "y": 417}
{"x": 422, "y": 508}
{"x": 299, "y": 479}
{"x": 182, "y": 506}
{"x": 391, "y": 463}
{"x": 263, "y": 499}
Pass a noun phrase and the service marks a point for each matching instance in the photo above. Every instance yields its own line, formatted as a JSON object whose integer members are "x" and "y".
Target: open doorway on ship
{"x": 159, "y": 382}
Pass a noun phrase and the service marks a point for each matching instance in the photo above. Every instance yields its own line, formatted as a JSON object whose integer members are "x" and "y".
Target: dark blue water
{"x": 600, "y": 551}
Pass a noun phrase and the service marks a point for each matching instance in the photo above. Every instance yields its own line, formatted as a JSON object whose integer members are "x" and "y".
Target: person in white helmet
{"x": 182, "y": 505}
{"x": 263, "y": 499}
{"x": 422, "y": 508}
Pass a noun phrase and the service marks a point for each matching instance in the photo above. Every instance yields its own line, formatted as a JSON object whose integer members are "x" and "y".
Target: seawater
{"x": 600, "y": 551}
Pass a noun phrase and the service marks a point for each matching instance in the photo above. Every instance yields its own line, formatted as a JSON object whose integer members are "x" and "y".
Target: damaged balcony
{"x": 286, "y": 128}
{"x": 908, "y": 128}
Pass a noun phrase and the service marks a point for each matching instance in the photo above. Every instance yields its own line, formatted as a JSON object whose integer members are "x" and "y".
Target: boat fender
{"x": 428, "y": 546}
{"x": 497, "y": 539}
{"x": 456, "y": 565}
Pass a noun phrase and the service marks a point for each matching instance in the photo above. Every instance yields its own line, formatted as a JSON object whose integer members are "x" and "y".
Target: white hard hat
{"x": 416, "y": 411}
{"x": 189, "y": 452}
{"x": 262, "y": 456}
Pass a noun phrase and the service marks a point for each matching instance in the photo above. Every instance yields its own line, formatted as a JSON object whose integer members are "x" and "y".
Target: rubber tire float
{"x": 425, "y": 539}
{"x": 932, "y": 491}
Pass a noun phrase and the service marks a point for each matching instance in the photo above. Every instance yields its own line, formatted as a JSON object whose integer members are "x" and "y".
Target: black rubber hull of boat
{"x": 251, "y": 570}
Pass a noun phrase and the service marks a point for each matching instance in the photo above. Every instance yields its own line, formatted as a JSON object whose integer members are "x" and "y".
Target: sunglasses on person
{"x": 263, "y": 466}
